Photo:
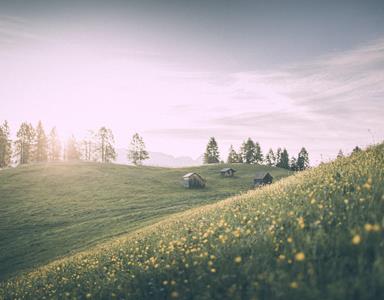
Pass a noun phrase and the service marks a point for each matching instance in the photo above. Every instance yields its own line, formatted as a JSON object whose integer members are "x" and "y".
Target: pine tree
{"x": 284, "y": 160}
{"x": 41, "y": 145}
{"x": 211, "y": 154}
{"x": 278, "y": 157}
{"x": 89, "y": 147}
{"x": 24, "y": 142}
{"x": 340, "y": 154}
{"x": 233, "y": 157}
{"x": 270, "y": 159}
{"x": 356, "y": 150}
{"x": 54, "y": 146}
{"x": 105, "y": 145}
{"x": 258, "y": 154}
{"x": 137, "y": 152}
{"x": 5, "y": 146}
{"x": 302, "y": 160}
{"x": 293, "y": 164}
{"x": 72, "y": 151}
{"x": 248, "y": 151}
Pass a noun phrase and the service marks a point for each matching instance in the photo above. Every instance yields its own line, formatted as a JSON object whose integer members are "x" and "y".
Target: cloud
{"x": 335, "y": 101}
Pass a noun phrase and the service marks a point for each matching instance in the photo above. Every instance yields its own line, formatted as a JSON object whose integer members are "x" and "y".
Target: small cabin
{"x": 262, "y": 178}
{"x": 193, "y": 180}
{"x": 227, "y": 172}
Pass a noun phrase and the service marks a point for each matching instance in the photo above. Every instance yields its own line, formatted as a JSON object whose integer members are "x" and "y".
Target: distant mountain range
{"x": 160, "y": 159}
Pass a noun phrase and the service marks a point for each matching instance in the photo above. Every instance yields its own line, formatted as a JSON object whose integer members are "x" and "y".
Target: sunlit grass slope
{"x": 314, "y": 235}
{"x": 48, "y": 210}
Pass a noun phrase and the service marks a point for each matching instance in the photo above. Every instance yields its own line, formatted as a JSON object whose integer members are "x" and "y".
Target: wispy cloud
{"x": 333, "y": 102}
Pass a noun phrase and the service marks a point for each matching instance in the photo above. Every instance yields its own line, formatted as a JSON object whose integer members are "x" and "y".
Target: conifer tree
{"x": 302, "y": 159}
{"x": 137, "y": 152}
{"x": 24, "y": 142}
{"x": 248, "y": 151}
{"x": 293, "y": 164}
{"x": 233, "y": 157}
{"x": 54, "y": 146}
{"x": 72, "y": 151}
{"x": 41, "y": 145}
{"x": 356, "y": 150}
{"x": 258, "y": 154}
{"x": 211, "y": 154}
{"x": 105, "y": 141}
{"x": 284, "y": 160}
{"x": 5, "y": 146}
{"x": 89, "y": 147}
{"x": 278, "y": 157}
{"x": 340, "y": 154}
{"x": 270, "y": 159}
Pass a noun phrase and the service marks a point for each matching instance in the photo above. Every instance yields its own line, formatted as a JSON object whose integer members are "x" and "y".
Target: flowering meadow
{"x": 315, "y": 235}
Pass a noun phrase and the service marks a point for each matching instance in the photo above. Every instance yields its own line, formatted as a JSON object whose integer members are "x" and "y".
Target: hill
{"x": 49, "y": 210}
{"x": 315, "y": 235}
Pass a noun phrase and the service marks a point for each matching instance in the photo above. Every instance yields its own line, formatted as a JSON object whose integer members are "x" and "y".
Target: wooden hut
{"x": 262, "y": 178}
{"x": 227, "y": 172}
{"x": 193, "y": 180}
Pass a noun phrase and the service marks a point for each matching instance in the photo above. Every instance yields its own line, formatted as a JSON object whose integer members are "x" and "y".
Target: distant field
{"x": 48, "y": 210}
{"x": 315, "y": 235}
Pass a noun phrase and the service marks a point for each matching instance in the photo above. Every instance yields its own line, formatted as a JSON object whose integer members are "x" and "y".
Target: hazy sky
{"x": 285, "y": 73}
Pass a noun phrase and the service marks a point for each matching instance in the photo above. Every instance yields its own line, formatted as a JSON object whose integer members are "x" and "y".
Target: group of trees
{"x": 33, "y": 145}
{"x": 250, "y": 153}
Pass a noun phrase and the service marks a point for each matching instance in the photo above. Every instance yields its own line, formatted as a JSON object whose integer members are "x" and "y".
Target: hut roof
{"x": 261, "y": 175}
{"x": 188, "y": 175}
{"x": 191, "y": 174}
{"x": 227, "y": 169}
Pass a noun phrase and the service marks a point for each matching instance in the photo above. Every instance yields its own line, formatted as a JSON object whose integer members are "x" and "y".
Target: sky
{"x": 285, "y": 73}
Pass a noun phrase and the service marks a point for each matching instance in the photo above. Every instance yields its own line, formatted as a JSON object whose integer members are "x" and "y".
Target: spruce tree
{"x": 270, "y": 159}
{"x": 24, "y": 142}
{"x": 105, "y": 145}
{"x": 258, "y": 154}
{"x": 233, "y": 157}
{"x": 278, "y": 157}
{"x": 72, "y": 151}
{"x": 293, "y": 164}
{"x": 284, "y": 160}
{"x": 340, "y": 154}
{"x": 211, "y": 154}
{"x": 5, "y": 146}
{"x": 248, "y": 151}
{"x": 302, "y": 159}
{"x": 54, "y": 146}
{"x": 41, "y": 145}
{"x": 137, "y": 152}
{"x": 89, "y": 147}
{"x": 356, "y": 150}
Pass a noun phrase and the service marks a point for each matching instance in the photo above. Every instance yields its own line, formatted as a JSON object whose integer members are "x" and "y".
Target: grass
{"x": 315, "y": 235}
{"x": 50, "y": 210}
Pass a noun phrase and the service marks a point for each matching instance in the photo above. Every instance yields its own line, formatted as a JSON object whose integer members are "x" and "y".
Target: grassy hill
{"x": 48, "y": 210}
{"x": 315, "y": 235}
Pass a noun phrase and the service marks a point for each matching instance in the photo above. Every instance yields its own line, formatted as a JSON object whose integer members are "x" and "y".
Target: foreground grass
{"x": 48, "y": 210}
{"x": 315, "y": 235}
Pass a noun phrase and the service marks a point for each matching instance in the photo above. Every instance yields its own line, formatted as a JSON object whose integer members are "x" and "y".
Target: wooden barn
{"x": 193, "y": 180}
{"x": 227, "y": 172}
{"x": 262, "y": 178}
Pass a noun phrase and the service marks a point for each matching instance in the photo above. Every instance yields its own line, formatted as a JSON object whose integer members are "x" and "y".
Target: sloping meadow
{"x": 315, "y": 235}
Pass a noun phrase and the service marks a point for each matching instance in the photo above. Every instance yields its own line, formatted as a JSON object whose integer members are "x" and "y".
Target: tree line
{"x": 32, "y": 144}
{"x": 250, "y": 153}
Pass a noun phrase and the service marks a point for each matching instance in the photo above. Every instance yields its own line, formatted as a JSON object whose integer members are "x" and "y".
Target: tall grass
{"x": 314, "y": 235}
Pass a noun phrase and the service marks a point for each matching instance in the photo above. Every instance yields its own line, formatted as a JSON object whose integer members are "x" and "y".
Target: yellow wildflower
{"x": 238, "y": 259}
{"x": 294, "y": 285}
{"x": 356, "y": 239}
{"x": 300, "y": 256}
